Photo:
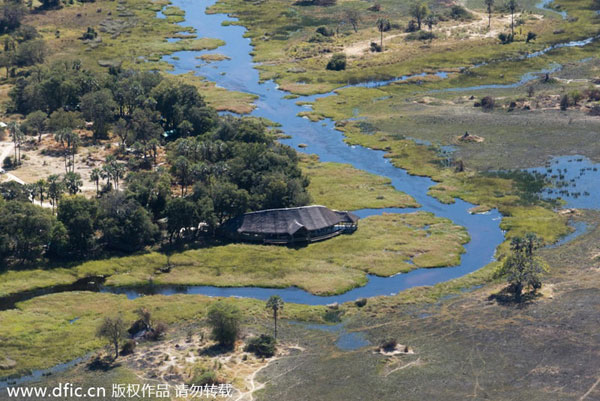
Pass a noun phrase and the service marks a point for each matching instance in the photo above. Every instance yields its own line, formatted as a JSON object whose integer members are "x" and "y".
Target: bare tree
{"x": 113, "y": 329}
{"x": 354, "y": 18}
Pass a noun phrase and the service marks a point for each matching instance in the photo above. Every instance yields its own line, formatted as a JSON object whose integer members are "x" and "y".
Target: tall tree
{"x": 275, "y": 303}
{"x": 523, "y": 268}
{"x": 419, "y": 11}
{"x": 72, "y": 182}
{"x": 35, "y": 123}
{"x": 383, "y": 25}
{"x": 40, "y": 189}
{"x": 17, "y": 137}
{"x": 55, "y": 189}
{"x": 99, "y": 108}
{"x": 490, "y": 7}
{"x": 512, "y": 6}
{"x": 95, "y": 176}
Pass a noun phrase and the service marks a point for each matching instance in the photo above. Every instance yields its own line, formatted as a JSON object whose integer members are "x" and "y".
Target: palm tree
{"x": 40, "y": 189}
{"x": 17, "y": 136}
{"x": 512, "y": 6}
{"x": 70, "y": 141}
{"x": 72, "y": 182}
{"x": 55, "y": 189}
{"x": 490, "y": 8}
{"x": 383, "y": 24}
{"x": 276, "y": 304}
{"x": 430, "y": 21}
{"x": 95, "y": 176}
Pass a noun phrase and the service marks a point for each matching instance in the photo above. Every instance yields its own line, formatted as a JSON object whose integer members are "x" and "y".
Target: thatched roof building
{"x": 291, "y": 225}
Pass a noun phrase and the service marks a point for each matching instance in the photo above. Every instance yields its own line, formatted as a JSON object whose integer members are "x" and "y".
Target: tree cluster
{"x": 216, "y": 167}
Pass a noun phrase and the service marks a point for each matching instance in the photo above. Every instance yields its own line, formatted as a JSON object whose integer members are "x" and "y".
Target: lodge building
{"x": 290, "y": 225}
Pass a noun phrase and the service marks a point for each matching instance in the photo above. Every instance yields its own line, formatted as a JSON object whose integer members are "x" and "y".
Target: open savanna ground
{"x": 283, "y": 36}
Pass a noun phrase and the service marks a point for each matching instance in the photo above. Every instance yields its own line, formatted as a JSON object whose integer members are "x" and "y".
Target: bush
{"x": 263, "y": 346}
{"x": 318, "y": 38}
{"x": 202, "y": 376}
{"x": 360, "y": 302}
{"x": 224, "y": 319}
{"x": 375, "y": 47}
{"x": 458, "y": 12}
{"x": 412, "y": 26}
{"x": 530, "y": 36}
{"x": 128, "y": 347}
{"x": 337, "y": 62}
{"x": 593, "y": 94}
{"x": 575, "y": 97}
{"x": 389, "y": 344}
{"x": 323, "y": 30}
{"x": 421, "y": 35}
{"x": 564, "y": 102}
{"x": 487, "y": 103}
{"x": 7, "y": 162}
{"x": 157, "y": 332}
{"x": 90, "y": 34}
{"x": 506, "y": 38}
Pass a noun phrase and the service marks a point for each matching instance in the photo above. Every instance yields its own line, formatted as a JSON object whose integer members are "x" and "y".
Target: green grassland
{"x": 383, "y": 245}
{"x": 39, "y": 333}
{"x": 280, "y": 33}
{"x": 343, "y": 187}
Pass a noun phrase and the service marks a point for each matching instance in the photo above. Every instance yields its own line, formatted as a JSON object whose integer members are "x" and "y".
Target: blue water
{"x": 39, "y": 374}
{"x": 543, "y": 5}
{"x": 346, "y": 340}
{"x": 579, "y": 228}
{"x": 324, "y": 140}
{"x": 321, "y": 138}
{"x": 574, "y": 179}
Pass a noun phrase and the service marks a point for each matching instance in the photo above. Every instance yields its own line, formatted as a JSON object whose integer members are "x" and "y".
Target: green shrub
{"x": 128, "y": 347}
{"x": 224, "y": 319}
{"x": 375, "y": 47}
{"x": 506, "y": 38}
{"x": 323, "y": 30}
{"x": 487, "y": 103}
{"x": 421, "y": 35}
{"x": 7, "y": 162}
{"x": 202, "y": 376}
{"x": 262, "y": 346}
{"x": 337, "y": 62}
{"x": 530, "y": 36}
{"x": 361, "y": 302}
{"x": 458, "y": 12}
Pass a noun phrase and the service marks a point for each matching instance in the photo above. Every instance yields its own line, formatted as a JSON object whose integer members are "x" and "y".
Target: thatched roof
{"x": 288, "y": 221}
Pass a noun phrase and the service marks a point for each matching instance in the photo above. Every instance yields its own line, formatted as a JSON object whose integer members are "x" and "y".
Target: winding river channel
{"x": 577, "y": 175}
{"x": 237, "y": 73}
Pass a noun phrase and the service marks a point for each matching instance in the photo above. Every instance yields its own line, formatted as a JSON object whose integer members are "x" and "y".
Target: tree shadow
{"x": 507, "y": 297}
{"x": 103, "y": 364}
{"x": 216, "y": 350}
